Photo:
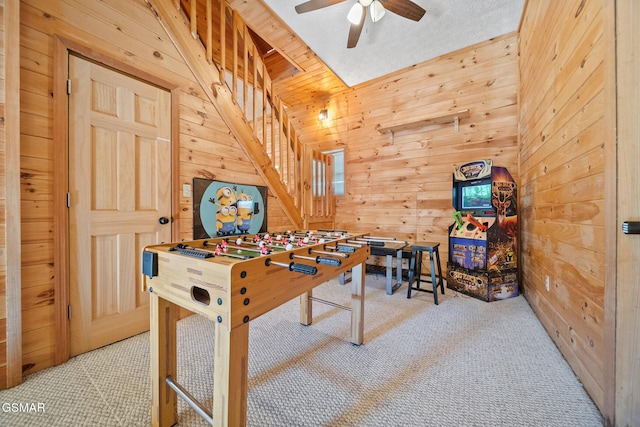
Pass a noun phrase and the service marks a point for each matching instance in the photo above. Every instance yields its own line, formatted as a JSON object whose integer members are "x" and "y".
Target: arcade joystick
{"x": 475, "y": 222}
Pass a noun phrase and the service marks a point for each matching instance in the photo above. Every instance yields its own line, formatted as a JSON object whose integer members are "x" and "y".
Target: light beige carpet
{"x": 461, "y": 363}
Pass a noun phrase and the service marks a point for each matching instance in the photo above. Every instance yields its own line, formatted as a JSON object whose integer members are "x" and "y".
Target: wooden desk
{"x": 387, "y": 247}
{"x": 232, "y": 289}
{"x": 390, "y": 250}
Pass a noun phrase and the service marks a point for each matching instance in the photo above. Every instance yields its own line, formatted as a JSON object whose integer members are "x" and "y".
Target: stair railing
{"x": 306, "y": 176}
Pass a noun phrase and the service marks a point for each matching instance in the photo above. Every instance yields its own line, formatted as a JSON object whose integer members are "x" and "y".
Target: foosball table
{"x": 232, "y": 281}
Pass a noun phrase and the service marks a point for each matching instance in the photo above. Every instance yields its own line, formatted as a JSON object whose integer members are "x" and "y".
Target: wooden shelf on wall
{"x": 439, "y": 120}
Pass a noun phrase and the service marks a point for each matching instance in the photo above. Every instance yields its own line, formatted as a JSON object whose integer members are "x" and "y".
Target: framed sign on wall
{"x": 228, "y": 209}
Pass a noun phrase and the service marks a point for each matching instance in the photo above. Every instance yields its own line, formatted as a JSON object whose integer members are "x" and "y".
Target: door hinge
{"x": 68, "y": 199}
{"x": 69, "y": 311}
{"x": 68, "y": 86}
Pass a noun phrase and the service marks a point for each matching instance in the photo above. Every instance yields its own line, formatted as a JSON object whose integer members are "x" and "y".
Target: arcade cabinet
{"x": 483, "y": 239}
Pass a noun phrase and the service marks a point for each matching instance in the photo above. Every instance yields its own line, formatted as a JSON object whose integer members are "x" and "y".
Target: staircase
{"x": 217, "y": 45}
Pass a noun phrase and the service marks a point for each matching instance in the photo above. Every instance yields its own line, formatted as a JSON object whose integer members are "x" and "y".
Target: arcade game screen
{"x": 476, "y": 197}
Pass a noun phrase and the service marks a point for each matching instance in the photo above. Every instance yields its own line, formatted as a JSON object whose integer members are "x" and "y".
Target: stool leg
{"x": 412, "y": 265}
{"x": 419, "y": 269}
{"x": 434, "y": 283}
{"x": 440, "y": 279}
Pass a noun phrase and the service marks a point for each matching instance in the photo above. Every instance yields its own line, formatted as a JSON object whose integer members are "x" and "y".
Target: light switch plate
{"x": 186, "y": 190}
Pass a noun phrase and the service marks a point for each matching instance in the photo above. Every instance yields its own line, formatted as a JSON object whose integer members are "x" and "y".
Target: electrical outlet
{"x": 547, "y": 284}
{"x": 186, "y": 190}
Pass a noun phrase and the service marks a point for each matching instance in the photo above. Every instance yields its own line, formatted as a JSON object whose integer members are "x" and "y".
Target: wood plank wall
{"x": 3, "y": 203}
{"x": 400, "y": 185}
{"x": 562, "y": 110}
{"x": 10, "y": 317}
{"x": 127, "y": 32}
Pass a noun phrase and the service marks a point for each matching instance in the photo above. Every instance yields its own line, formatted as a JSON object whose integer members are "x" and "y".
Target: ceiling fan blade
{"x": 355, "y": 30}
{"x": 312, "y": 5}
{"x": 405, "y": 8}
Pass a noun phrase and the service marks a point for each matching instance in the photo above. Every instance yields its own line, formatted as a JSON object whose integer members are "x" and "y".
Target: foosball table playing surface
{"x": 233, "y": 280}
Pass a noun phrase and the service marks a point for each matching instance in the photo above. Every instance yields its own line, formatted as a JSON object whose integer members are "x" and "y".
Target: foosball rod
{"x": 336, "y": 262}
{"x": 340, "y": 254}
{"x": 223, "y": 253}
{"x": 342, "y": 247}
{"x": 244, "y": 249}
{"x": 272, "y": 246}
{"x": 377, "y": 238}
{"x": 292, "y": 266}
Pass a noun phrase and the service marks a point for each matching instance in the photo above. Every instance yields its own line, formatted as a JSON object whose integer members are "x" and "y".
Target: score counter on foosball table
{"x": 232, "y": 281}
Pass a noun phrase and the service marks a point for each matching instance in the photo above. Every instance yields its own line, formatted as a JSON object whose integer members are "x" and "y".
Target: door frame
{"x": 63, "y": 48}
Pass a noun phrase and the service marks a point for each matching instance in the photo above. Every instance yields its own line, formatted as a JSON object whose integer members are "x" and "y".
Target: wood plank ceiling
{"x": 313, "y": 81}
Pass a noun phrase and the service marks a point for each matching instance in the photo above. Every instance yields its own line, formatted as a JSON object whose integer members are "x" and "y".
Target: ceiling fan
{"x": 357, "y": 13}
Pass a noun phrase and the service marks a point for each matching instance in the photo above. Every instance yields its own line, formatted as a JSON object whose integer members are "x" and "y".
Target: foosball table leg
{"x": 164, "y": 402}
{"x": 357, "y": 303}
{"x": 230, "y": 375}
{"x": 306, "y": 309}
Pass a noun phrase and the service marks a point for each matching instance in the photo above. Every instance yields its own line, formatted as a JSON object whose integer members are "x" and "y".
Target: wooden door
{"x": 627, "y": 297}
{"x": 119, "y": 188}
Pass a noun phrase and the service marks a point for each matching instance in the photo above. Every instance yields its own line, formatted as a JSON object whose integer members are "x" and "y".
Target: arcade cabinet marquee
{"x": 483, "y": 239}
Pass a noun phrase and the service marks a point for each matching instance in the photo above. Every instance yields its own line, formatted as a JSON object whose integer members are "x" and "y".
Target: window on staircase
{"x": 338, "y": 171}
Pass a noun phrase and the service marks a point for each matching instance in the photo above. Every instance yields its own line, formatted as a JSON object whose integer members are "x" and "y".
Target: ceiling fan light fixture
{"x": 377, "y": 10}
{"x": 355, "y": 13}
{"x": 365, "y": 3}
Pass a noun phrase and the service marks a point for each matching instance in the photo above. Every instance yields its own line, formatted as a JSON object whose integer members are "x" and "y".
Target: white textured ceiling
{"x": 394, "y": 43}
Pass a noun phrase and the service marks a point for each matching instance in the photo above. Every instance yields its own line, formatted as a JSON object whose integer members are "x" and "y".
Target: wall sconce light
{"x": 323, "y": 117}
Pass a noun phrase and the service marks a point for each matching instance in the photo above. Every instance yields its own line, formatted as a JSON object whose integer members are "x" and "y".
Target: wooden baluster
{"x": 256, "y": 62}
{"x": 209, "y": 42}
{"x": 273, "y": 133}
{"x": 281, "y": 138}
{"x": 264, "y": 106}
{"x": 245, "y": 71}
{"x": 223, "y": 39}
{"x": 193, "y": 19}
{"x": 288, "y": 153}
{"x": 330, "y": 193}
{"x": 234, "y": 79}
{"x": 296, "y": 173}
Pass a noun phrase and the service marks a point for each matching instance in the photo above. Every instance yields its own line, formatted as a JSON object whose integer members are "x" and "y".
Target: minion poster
{"x": 226, "y": 209}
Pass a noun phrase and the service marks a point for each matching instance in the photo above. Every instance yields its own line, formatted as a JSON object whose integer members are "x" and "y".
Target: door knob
{"x": 163, "y": 220}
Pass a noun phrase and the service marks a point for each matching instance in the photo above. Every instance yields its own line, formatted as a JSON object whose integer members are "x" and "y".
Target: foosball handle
{"x": 303, "y": 268}
{"x": 343, "y": 248}
{"x": 336, "y": 262}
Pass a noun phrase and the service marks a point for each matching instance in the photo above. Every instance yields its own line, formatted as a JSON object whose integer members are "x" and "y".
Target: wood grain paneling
{"x": 623, "y": 292}
{"x": 10, "y": 365}
{"x": 562, "y": 175}
{"x": 3, "y": 201}
{"x": 125, "y": 33}
{"x": 400, "y": 185}
{"x": 537, "y": 106}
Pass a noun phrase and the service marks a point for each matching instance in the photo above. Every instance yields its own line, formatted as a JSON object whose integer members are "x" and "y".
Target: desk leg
{"x": 164, "y": 401}
{"x": 230, "y": 375}
{"x": 357, "y": 303}
{"x": 398, "y": 269}
{"x": 390, "y": 285}
{"x": 389, "y": 272}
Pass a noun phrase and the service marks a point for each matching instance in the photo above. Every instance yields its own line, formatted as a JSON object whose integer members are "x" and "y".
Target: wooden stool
{"x": 415, "y": 268}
